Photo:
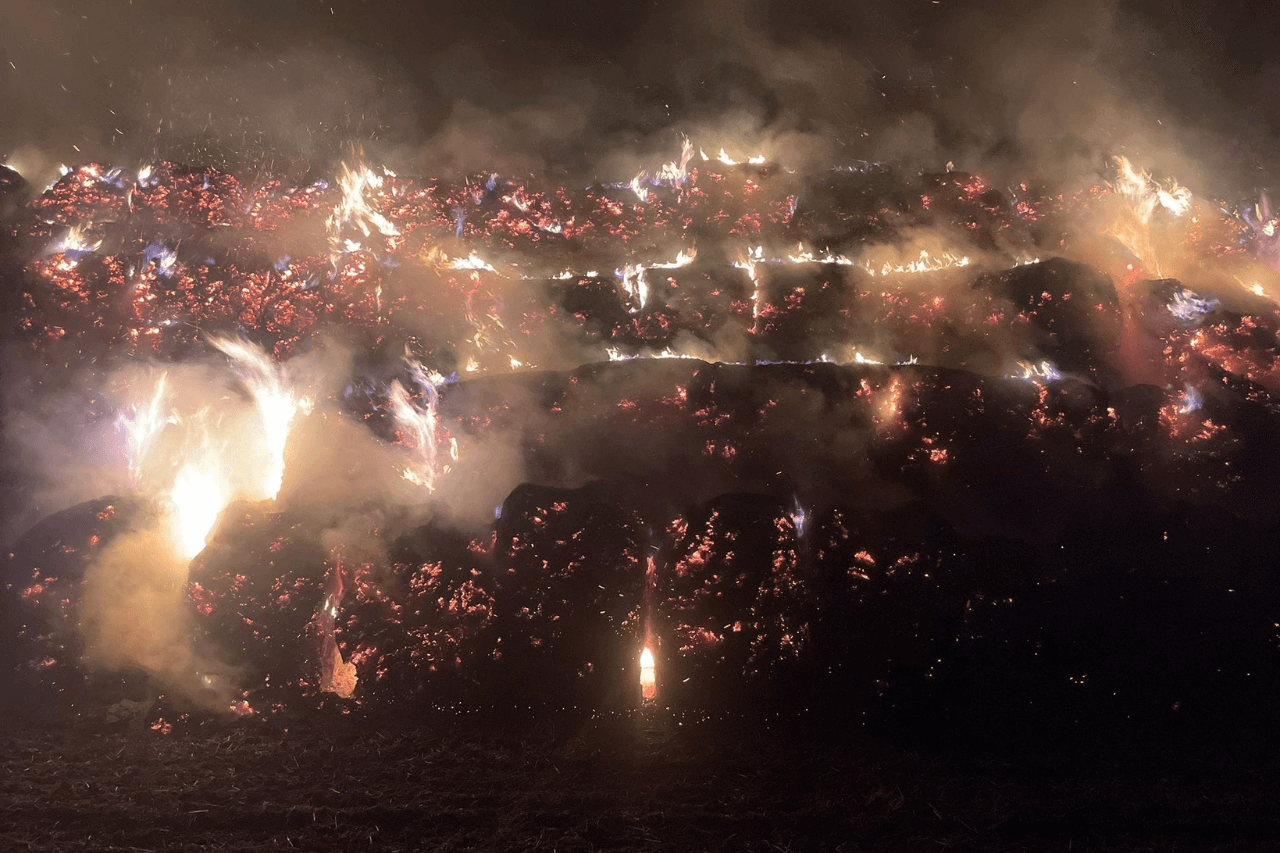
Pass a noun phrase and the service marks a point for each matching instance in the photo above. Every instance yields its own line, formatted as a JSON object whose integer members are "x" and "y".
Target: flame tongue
{"x": 336, "y": 675}
{"x": 419, "y": 426}
{"x": 648, "y": 675}
{"x": 198, "y": 498}
{"x": 143, "y": 425}
{"x": 278, "y": 405}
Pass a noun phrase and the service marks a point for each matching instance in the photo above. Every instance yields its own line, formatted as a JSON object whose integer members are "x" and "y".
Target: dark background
{"x": 599, "y": 90}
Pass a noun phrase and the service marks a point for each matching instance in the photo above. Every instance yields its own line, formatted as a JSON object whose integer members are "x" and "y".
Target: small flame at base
{"x": 648, "y": 676}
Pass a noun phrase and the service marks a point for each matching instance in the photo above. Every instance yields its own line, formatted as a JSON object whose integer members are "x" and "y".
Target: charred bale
{"x": 731, "y": 603}
{"x": 421, "y": 629}
{"x": 257, "y": 591}
{"x": 1073, "y": 313}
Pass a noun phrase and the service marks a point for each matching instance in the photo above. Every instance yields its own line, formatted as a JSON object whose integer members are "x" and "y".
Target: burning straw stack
{"x": 820, "y": 455}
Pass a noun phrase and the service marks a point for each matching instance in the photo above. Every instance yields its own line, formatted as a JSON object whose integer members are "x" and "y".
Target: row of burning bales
{"x": 740, "y": 536}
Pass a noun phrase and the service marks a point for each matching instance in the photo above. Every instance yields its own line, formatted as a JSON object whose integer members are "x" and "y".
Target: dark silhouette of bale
{"x": 42, "y": 649}
{"x": 890, "y": 587}
{"x": 1072, "y": 310}
{"x": 570, "y": 569}
{"x": 849, "y": 207}
{"x": 805, "y": 311}
{"x": 1005, "y": 452}
{"x": 256, "y": 589}
{"x": 594, "y": 306}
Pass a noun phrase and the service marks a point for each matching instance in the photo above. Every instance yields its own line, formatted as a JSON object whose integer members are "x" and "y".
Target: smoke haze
{"x": 591, "y": 91}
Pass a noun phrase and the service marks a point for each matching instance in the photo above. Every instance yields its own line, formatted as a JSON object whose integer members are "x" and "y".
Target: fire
{"x": 337, "y": 676}
{"x": 1143, "y": 197}
{"x": 676, "y": 171}
{"x": 638, "y": 185}
{"x": 648, "y": 676}
{"x": 748, "y": 263}
{"x": 925, "y": 263}
{"x": 197, "y": 498}
{"x": 1041, "y": 372}
{"x": 77, "y": 243}
{"x": 278, "y": 405}
{"x": 357, "y": 185}
{"x": 807, "y": 256}
{"x": 143, "y": 425}
{"x": 636, "y": 285}
{"x": 419, "y": 425}
{"x": 723, "y": 157}
{"x": 471, "y": 262}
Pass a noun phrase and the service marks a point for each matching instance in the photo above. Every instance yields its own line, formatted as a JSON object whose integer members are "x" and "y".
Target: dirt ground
{"x": 648, "y": 780}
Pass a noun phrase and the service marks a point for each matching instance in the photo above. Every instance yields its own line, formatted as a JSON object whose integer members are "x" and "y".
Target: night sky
{"x": 597, "y": 90}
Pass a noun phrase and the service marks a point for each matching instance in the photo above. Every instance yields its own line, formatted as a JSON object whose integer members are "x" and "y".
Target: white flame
{"x": 420, "y": 425}
{"x": 357, "y": 185}
{"x": 197, "y": 497}
{"x": 676, "y": 171}
{"x": 638, "y": 185}
{"x": 77, "y": 241}
{"x": 925, "y": 263}
{"x": 142, "y": 425}
{"x": 471, "y": 262}
{"x": 1145, "y": 195}
{"x": 278, "y": 404}
{"x": 807, "y": 256}
{"x": 636, "y": 285}
{"x": 1042, "y": 372}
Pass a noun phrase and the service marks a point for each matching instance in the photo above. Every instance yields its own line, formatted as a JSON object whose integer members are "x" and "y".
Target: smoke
{"x": 1010, "y": 88}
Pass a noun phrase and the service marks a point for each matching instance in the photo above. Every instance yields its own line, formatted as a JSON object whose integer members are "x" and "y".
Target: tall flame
{"x": 419, "y": 425}
{"x": 197, "y": 498}
{"x": 278, "y": 405}
{"x": 1144, "y": 196}
{"x": 143, "y": 425}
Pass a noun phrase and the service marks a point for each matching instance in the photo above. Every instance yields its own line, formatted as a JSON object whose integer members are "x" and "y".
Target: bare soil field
{"x": 651, "y": 780}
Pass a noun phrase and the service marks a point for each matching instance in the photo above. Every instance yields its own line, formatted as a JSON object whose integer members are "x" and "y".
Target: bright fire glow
{"x": 471, "y": 262}
{"x": 677, "y": 170}
{"x": 636, "y": 284}
{"x": 142, "y": 425}
{"x": 198, "y": 497}
{"x": 76, "y": 242}
{"x": 419, "y": 426}
{"x": 358, "y": 184}
{"x": 648, "y": 676}
{"x": 1143, "y": 196}
{"x": 278, "y": 404}
{"x": 638, "y": 185}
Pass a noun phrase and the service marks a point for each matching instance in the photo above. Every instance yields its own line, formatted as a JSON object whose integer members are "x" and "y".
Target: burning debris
{"x": 831, "y": 428}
